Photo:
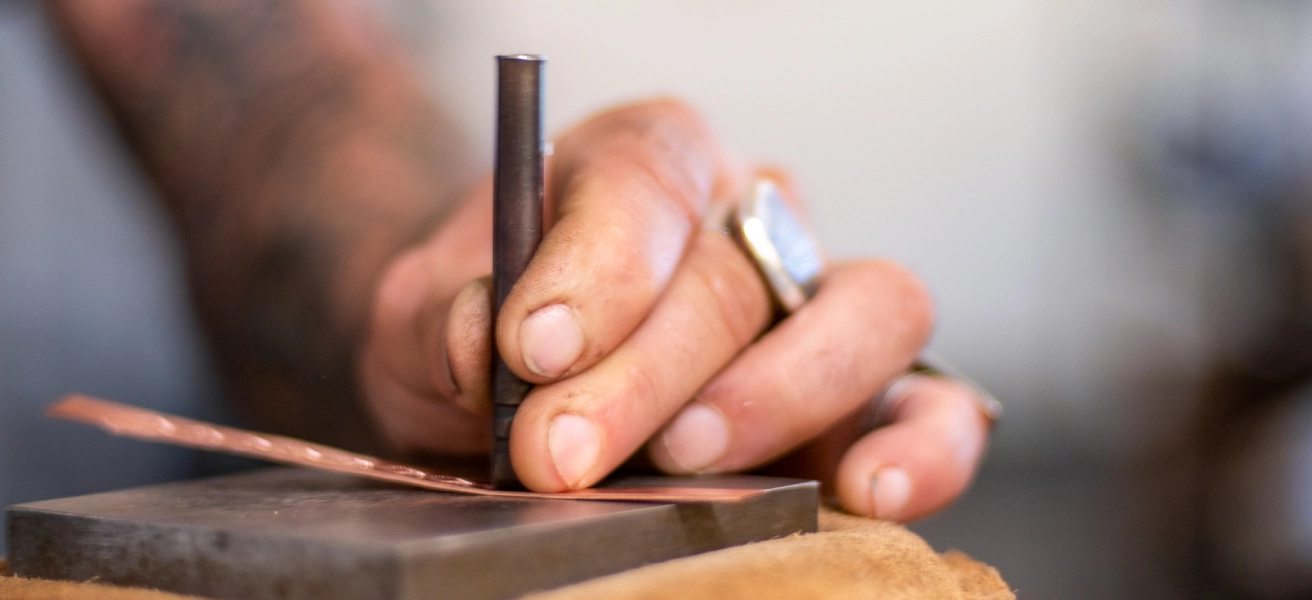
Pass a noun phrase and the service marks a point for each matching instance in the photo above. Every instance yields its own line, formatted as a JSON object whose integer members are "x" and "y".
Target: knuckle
{"x": 788, "y": 398}
{"x": 642, "y": 393}
{"x": 661, "y": 109}
{"x": 637, "y": 179}
{"x": 949, "y": 417}
{"x": 663, "y": 142}
{"x": 783, "y": 178}
{"x": 660, "y": 122}
{"x": 905, "y": 292}
{"x": 739, "y": 297}
{"x": 679, "y": 187}
{"x": 397, "y": 292}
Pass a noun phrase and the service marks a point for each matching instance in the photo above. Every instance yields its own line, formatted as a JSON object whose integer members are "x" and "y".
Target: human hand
{"x": 642, "y": 328}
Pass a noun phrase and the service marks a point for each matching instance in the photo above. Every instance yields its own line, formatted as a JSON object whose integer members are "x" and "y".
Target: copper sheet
{"x": 130, "y": 421}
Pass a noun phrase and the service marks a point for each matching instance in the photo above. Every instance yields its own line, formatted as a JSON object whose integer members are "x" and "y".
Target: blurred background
{"x": 1110, "y": 199}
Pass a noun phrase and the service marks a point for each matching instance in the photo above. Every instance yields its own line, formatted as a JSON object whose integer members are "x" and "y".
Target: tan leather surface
{"x": 851, "y": 557}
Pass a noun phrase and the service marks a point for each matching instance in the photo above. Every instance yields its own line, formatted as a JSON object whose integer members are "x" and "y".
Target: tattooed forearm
{"x": 296, "y": 156}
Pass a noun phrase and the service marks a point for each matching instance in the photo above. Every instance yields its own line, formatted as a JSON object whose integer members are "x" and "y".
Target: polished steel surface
{"x": 301, "y": 534}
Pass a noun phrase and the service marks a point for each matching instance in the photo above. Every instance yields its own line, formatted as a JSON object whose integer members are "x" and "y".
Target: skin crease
{"x": 338, "y": 242}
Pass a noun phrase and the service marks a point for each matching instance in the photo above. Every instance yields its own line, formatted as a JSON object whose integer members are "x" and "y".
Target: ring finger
{"x": 864, "y": 326}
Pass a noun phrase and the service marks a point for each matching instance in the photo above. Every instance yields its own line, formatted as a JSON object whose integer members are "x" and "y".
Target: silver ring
{"x": 929, "y": 364}
{"x": 789, "y": 260}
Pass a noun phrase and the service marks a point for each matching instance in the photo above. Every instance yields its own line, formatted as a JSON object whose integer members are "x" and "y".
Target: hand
{"x": 642, "y": 328}
{"x": 297, "y": 159}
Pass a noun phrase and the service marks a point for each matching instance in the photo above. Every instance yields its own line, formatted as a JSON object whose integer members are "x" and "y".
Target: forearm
{"x": 296, "y": 156}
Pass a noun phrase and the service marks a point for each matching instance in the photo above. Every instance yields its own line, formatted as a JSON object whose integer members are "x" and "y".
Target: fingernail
{"x": 550, "y": 340}
{"x": 889, "y": 490}
{"x": 574, "y": 447}
{"x": 697, "y": 437}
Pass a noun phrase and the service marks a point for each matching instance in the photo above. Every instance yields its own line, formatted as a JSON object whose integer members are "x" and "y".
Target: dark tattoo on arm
{"x": 296, "y": 159}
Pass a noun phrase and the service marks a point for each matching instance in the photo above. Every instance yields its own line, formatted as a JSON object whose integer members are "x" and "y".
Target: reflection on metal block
{"x": 299, "y": 534}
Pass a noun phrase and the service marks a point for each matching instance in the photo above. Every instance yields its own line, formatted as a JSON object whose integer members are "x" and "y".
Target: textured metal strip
{"x": 130, "y": 421}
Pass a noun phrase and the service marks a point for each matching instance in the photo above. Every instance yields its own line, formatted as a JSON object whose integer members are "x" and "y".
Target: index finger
{"x": 627, "y": 192}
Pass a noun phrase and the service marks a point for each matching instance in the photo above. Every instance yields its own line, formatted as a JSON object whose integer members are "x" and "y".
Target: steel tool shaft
{"x": 517, "y": 226}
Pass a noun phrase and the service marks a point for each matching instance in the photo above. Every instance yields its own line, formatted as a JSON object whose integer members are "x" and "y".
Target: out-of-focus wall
{"x": 91, "y": 283}
{"x": 996, "y": 147}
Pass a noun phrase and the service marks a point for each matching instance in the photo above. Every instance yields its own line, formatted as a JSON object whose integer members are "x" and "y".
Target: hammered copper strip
{"x": 130, "y": 421}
